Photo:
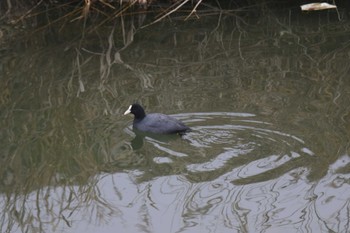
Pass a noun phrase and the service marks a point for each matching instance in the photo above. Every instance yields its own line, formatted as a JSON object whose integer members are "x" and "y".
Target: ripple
{"x": 237, "y": 145}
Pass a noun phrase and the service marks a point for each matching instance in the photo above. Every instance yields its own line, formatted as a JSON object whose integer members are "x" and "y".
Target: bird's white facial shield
{"x": 128, "y": 111}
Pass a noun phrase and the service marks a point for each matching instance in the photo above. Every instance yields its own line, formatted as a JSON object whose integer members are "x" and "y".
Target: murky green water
{"x": 268, "y": 103}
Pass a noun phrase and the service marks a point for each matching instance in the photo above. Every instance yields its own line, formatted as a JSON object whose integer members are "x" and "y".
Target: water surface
{"x": 267, "y": 100}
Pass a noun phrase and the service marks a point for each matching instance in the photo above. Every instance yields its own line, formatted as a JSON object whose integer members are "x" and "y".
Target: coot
{"x": 155, "y": 122}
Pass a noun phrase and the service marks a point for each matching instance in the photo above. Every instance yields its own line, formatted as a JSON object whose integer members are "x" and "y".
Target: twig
{"x": 28, "y": 12}
{"x": 194, "y": 9}
{"x": 167, "y": 14}
{"x": 339, "y": 18}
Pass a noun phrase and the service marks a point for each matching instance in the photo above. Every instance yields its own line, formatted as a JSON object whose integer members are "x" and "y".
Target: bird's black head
{"x": 137, "y": 110}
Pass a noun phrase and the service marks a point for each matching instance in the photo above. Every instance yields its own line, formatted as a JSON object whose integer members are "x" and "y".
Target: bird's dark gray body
{"x": 155, "y": 122}
{"x": 160, "y": 123}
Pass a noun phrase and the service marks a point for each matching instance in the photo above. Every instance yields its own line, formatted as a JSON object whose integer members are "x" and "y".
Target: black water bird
{"x": 157, "y": 123}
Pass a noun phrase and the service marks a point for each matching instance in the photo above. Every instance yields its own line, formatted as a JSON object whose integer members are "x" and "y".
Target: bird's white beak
{"x": 128, "y": 111}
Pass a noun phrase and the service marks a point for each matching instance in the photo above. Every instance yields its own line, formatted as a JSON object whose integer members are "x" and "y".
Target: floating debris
{"x": 317, "y": 6}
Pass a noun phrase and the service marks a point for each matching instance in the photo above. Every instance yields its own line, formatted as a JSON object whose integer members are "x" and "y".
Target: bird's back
{"x": 160, "y": 123}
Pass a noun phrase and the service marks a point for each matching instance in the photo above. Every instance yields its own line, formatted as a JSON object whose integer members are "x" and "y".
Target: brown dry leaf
{"x": 317, "y": 6}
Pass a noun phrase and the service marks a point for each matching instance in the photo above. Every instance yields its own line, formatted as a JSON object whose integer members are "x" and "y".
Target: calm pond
{"x": 267, "y": 99}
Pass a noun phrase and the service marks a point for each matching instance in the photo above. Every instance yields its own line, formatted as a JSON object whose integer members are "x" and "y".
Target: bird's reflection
{"x": 138, "y": 141}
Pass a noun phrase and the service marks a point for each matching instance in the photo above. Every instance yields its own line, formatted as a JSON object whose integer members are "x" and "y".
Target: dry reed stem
{"x": 28, "y": 12}
{"x": 194, "y": 10}
{"x": 167, "y": 13}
